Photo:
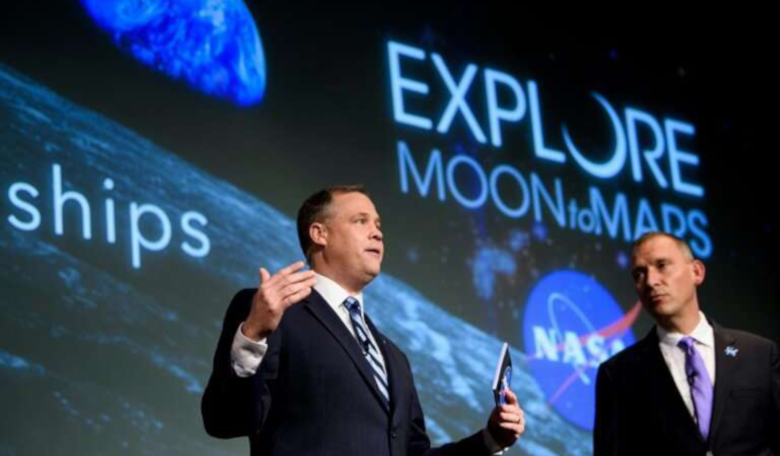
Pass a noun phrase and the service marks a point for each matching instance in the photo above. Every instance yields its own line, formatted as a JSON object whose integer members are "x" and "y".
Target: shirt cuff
{"x": 246, "y": 354}
{"x": 494, "y": 448}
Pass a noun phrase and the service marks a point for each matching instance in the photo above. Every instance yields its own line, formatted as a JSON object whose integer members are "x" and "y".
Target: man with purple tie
{"x": 691, "y": 387}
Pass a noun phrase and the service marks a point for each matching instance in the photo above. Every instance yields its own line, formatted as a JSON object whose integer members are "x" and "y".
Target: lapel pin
{"x": 732, "y": 351}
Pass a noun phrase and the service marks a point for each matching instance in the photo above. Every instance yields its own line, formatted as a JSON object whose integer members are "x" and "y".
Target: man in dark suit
{"x": 690, "y": 387}
{"x": 302, "y": 370}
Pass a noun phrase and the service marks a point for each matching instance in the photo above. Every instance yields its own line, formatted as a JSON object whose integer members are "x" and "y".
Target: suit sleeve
{"x": 605, "y": 429}
{"x": 775, "y": 386}
{"x": 233, "y": 406}
{"x": 420, "y": 443}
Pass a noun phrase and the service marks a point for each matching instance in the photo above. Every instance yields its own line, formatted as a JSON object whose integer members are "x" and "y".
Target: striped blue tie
{"x": 369, "y": 350}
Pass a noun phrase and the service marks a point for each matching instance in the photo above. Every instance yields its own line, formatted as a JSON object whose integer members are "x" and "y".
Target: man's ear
{"x": 318, "y": 233}
{"x": 699, "y": 271}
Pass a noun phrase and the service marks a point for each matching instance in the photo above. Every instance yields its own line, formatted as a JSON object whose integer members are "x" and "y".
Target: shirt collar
{"x": 702, "y": 334}
{"x": 334, "y": 294}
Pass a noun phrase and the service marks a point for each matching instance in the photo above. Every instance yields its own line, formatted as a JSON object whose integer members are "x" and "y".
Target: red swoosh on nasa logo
{"x": 619, "y": 326}
{"x": 608, "y": 331}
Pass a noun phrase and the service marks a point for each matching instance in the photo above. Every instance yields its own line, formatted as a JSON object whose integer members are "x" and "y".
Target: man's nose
{"x": 652, "y": 278}
{"x": 377, "y": 234}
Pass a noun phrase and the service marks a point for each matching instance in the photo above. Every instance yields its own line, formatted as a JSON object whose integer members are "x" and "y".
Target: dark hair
{"x": 313, "y": 210}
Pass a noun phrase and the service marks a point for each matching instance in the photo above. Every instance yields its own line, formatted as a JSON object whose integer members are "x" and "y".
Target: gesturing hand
{"x": 274, "y": 296}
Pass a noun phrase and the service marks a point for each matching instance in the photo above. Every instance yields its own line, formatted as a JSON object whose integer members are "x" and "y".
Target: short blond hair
{"x": 681, "y": 244}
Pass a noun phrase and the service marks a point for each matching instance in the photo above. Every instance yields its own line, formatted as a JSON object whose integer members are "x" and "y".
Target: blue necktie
{"x": 701, "y": 385}
{"x": 369, "y": 350}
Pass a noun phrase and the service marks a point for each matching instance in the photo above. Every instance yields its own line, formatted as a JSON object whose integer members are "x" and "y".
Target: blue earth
{"x": 213, "y": 45}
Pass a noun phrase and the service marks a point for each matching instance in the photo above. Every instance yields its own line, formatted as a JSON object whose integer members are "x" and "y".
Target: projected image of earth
{"x": 212, "y": 45}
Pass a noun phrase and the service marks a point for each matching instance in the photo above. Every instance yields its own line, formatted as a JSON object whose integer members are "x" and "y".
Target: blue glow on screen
{"x": 507, "y": 103}
{"x": 572, "y": 324}
{"x": 474, "y": 186}
{"x": 212, "y": 45}
{"x": 615, "y": 164}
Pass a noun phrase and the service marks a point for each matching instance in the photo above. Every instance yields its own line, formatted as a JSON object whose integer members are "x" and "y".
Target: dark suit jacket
{"x": 639, "y": 410}
{"x": 314, "y": 392}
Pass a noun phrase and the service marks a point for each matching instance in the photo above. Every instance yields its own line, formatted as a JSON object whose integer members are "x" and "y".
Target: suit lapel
{"x": 725, "y": 370}
{"x": 325, "y": 314}
{"x": 668, "y": 393}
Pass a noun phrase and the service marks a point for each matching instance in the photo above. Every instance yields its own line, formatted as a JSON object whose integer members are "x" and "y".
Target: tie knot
{"x": 352, "y": 304}
{"x": 686, "y": 343}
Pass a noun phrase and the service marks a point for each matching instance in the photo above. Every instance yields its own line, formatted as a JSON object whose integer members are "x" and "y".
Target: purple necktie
{"x": 701, "y": 385}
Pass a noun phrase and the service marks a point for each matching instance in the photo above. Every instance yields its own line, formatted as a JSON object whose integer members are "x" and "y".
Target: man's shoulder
{"x": 240, "y": 304}
{"x": 745, "y": 335}
{"x": 245, "y": 294}
{"x": 744, "y": 339}
{"x": 630, "y": 358}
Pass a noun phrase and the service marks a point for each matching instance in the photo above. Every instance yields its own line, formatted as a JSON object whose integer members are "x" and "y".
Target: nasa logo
{"x": 573, "y": 324}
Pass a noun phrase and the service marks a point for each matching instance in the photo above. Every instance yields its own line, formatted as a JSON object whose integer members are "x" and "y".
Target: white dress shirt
{"x": 674, "y": 356}
{"x": 246, "y": 354}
